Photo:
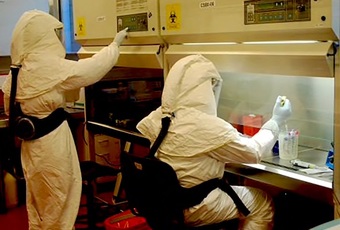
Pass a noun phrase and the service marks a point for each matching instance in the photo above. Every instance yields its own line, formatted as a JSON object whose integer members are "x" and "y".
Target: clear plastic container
{"x": 288, "y": 144}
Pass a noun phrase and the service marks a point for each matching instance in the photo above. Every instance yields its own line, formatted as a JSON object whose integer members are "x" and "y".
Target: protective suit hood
{"x": 36, "y": 46}
{"x": 35, "y": 33}
{"x": 190, "y": 84}
{"x": 188, "y": 97}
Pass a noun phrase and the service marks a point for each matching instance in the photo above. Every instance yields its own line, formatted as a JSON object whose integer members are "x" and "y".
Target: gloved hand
{"x": 120, "y": 36}
{"x": 282, "y": 110}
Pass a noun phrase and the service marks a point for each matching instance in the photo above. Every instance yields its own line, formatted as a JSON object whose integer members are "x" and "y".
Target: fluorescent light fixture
{"x": 283, "y": 42}
{"x": 252, "y": 43}
{"x": 209, "y": 43}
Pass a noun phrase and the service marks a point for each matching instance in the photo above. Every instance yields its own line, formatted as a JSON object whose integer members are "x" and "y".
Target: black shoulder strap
{"x": 12, "y": 115}
{"x": 225, "y": 186}
{"x": 13, "y": 161}
{"x": 164, "y": 130}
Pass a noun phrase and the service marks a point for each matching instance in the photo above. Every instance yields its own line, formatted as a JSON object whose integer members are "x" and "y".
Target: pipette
{"x": 282, "y": 103}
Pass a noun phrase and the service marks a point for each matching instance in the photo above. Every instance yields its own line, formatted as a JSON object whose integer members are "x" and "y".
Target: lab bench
{"x": 140, "y": 143}
{"x": 302, "y": 201}
{"x": 272, "y": 172}
{"x": 282, "y": 174}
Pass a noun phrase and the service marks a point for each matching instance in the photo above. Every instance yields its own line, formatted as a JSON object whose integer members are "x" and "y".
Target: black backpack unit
{"x": 29, "y": 127}
{"x": 24, "y": 127}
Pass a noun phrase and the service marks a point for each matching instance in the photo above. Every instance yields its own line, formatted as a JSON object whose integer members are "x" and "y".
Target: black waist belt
{"x": 195, "y": 195}
{"x": 30, "y": 128}
{"x": 225, "y": 186}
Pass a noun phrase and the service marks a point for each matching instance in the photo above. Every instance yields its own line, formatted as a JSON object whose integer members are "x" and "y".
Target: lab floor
{"x": 292, "y": 213}
{"x": 14, "y": 219}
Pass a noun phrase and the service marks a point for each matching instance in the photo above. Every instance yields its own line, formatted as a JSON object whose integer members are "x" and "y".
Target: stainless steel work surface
{"x": 282, "y": 174}
{"x": 285, "y": 167}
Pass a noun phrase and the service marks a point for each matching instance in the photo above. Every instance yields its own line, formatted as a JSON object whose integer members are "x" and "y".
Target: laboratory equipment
{"x": 253, "y": 41}
{"x": 288, "y": 144}
{"x": 124, "y": 97}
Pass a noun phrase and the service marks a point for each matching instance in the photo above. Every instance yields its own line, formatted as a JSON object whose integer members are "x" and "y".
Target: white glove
{"x": 282, "y": 110}
{"x": 120, "y": 36}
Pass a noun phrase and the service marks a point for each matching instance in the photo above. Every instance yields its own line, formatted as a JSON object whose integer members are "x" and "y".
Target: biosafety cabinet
{"x": 133, "y": 87}
{"x": 97, "y": 22}
{"x": 248, "y": 26}
{"x": 252, "y": 20}
{"x": 262, "y": 48}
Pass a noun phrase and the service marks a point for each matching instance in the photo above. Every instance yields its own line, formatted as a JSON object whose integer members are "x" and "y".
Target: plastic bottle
{"x": 11, "y": 190}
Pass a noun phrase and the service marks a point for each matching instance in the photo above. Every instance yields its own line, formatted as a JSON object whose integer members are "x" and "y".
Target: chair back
{"x": 153, "y": 191}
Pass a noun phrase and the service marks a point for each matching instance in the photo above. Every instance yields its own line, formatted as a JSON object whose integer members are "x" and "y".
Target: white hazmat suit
{"x": 50, "y": 163}
{"x": 198, "y": 143}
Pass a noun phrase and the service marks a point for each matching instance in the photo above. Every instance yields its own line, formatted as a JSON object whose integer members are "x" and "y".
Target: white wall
{"x": 10, "y": 12}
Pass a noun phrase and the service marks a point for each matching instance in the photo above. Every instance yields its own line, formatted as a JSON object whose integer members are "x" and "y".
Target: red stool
{"x": 126, "y": 220}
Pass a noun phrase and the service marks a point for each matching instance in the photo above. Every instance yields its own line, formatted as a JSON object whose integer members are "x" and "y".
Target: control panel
{"x": 275, "y": 11}
{"x": 135, "y": 22}
{"x": 142, "y": 19}
{"x": 97, "y": 24}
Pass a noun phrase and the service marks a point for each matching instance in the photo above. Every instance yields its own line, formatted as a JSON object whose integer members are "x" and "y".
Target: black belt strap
{"x": 50, "y": 123}
{"x": 225, "y": 186}
{"x": 194, "y": 195}
{"x": 33, "y": 128}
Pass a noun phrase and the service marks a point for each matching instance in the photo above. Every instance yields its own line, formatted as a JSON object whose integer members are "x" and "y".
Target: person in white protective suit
{"x": 198, "y": 143}
{"x": 50, "y": 163}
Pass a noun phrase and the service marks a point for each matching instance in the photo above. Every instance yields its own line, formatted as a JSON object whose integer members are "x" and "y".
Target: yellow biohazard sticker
{"x": 81, "y": 26}
{"x": 174, "y": 17}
